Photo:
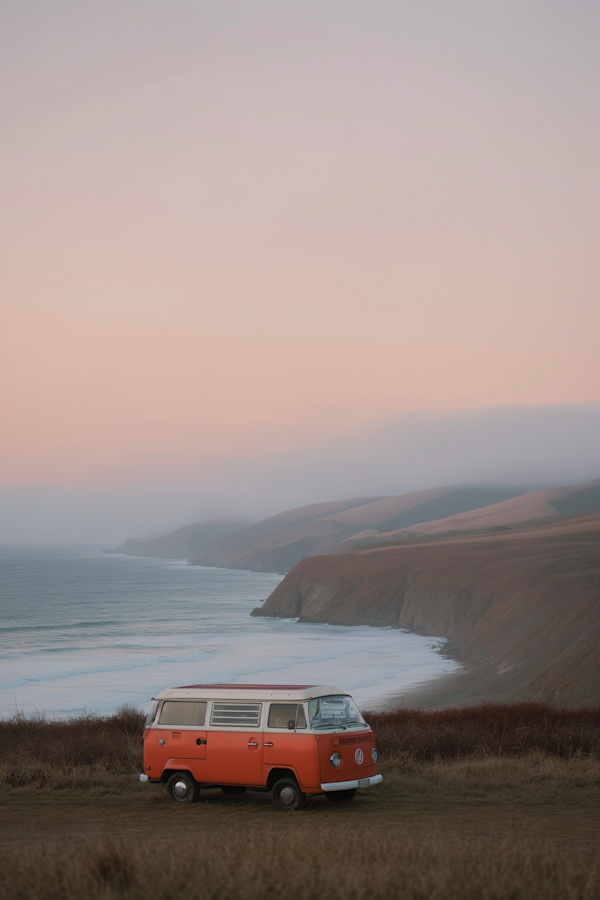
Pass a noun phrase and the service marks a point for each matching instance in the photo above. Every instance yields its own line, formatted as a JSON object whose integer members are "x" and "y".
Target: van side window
{"x": 246, "y": 714}
{"x": 281, "y": 714}
{"x": 183, "y": 712}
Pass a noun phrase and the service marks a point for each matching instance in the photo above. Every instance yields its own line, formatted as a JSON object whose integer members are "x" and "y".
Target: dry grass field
{"x": 507, "y": 806}
{"x": 301, "y": 865}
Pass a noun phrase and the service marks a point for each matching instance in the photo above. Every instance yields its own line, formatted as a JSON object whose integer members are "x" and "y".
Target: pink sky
{"x": 231, "y": 228}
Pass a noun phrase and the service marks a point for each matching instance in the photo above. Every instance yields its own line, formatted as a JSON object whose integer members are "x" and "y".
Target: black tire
{"x": 287, "y": 795}
{"x": 233, "y": 790}
{"x": 341, "y": 796}
{"x": 183, "y": 788}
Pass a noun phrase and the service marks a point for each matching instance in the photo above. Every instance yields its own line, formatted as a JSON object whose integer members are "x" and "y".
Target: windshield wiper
{"x": 329, "y": 725}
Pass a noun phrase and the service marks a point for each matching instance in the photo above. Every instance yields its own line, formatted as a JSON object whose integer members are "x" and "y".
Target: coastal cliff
{"x": 521, "y": 610}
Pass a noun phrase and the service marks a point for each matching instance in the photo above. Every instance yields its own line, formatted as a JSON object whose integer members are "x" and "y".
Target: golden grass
{"x": 537, "y": 778}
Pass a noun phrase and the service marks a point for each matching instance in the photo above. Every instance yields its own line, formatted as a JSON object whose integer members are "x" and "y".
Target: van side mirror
{"x": 291, "y": 724}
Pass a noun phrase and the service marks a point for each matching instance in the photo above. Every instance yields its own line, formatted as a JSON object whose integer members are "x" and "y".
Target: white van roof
{"x": 249, "y": 692}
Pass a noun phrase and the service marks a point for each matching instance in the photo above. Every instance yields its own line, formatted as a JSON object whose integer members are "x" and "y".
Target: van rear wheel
{"x": 287, "y": 795}
{"x": 183, "y": 788}
{"x": 341, "y": 796}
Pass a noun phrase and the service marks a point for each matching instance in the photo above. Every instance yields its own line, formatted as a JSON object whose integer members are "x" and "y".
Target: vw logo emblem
{"x": 359, "y": 756}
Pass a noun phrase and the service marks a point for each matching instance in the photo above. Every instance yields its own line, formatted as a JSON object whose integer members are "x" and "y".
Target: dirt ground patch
{"x": 557, "y": 800}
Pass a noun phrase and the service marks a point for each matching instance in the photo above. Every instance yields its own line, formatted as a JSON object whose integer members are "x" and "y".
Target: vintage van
{"x": 293, "y": 740}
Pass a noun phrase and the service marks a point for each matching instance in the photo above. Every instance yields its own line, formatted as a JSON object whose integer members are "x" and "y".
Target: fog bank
{"x": 526, "y": 446}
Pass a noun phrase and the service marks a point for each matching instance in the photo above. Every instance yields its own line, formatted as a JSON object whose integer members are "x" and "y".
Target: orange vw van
{"x": 293, "y": 740}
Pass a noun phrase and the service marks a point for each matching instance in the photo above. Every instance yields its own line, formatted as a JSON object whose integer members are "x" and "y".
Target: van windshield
{"x": 336, "y": 711}
{"x": 151, "y": 715}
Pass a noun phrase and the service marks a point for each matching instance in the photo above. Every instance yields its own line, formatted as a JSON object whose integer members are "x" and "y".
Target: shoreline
{"x": 456, "y": 689}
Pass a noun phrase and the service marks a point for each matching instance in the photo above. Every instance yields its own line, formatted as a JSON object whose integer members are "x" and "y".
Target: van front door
{"x": 234, "y": 757}
{"x": 291, "y": 747}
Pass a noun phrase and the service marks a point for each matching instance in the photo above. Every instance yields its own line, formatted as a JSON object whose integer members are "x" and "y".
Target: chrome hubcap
{"x": 181, "y": 790}
{"x": 287, "y": 796}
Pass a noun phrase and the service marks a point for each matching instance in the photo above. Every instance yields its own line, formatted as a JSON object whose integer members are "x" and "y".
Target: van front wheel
{"x": 287, "y": 795}
{"x": 183, "y": 788}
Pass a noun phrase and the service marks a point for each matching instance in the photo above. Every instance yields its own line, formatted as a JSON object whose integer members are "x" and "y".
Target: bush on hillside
{"x": 33, "y": 747}
{"x": 110, "y": 742}
{"x": 490, "y": 729}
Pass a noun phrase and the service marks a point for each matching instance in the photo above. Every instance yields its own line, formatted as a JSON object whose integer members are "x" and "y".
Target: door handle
{"x": 268, "y": 744}
{"x": 253, "y": 743}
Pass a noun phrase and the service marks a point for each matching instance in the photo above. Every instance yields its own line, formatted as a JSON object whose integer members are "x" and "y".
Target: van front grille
{"x": 361, "y": 739}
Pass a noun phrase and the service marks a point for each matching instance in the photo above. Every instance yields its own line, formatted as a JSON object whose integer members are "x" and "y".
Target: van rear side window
{"x": 245, "y": 714}
{"x": 183, "y": 712}
{"x": 281, "y": 714}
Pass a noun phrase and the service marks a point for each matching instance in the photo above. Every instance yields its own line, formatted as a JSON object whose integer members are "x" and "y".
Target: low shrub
{"x": 41, "y": 752}
{"x": 490, "y": 729}
{"x": 37, "y": 743}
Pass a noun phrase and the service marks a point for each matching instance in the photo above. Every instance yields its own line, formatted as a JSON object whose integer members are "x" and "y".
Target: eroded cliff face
{"x": 522, "y": 610}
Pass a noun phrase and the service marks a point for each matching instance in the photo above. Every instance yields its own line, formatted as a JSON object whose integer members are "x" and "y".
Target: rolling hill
{"x": 578, "y": 499}
{"x": 278, "y": 543}
{"x": 183, "y": 543}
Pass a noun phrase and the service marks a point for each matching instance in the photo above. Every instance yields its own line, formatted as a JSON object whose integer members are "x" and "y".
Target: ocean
{"x": 85, "y": 631}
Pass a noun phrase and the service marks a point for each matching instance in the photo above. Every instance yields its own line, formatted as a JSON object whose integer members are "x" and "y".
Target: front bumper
{"x": 351, "y": 785}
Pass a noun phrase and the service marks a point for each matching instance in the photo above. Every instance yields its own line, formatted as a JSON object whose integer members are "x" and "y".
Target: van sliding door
{"x": 235, "y": 744}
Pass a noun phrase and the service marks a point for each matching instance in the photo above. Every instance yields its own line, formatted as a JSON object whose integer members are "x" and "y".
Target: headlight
{"x": 335, "y": 760}
{"x": 374, "y": 754}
